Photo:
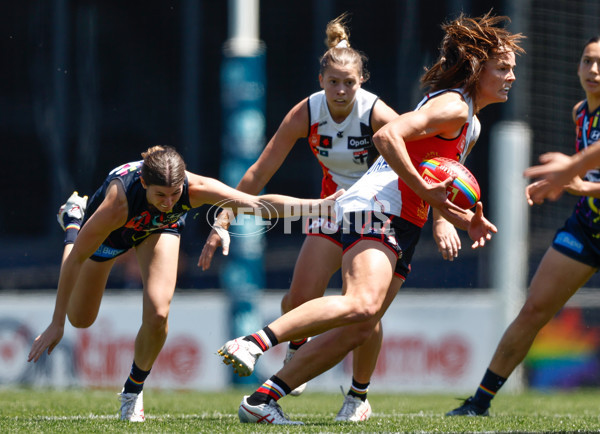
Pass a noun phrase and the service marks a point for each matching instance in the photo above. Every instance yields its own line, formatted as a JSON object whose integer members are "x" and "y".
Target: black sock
{"x": 359, "y": 390}
{"x": 135, "y": 382}
{"x": 274, "y": 388}
{"x": 295, "y": 344}
{"x": 488, "y": 388}
{"x": 72, "y": 230}
{"x": 264, "y": 338}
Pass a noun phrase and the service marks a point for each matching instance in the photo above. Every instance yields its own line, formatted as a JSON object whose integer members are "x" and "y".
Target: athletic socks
{"x": 135, "y": 382}
{"x": 488, "y": 388}
{"x": 273, "y": 388}
{"x": 71, "y": 232}
{"x": 359, "y": 390}
{"x": 264, "y": 338}
{"x": 294, "y": 345}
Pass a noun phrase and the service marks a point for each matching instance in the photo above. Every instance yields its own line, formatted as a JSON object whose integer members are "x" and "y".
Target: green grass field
{"x": 95, "y": 411}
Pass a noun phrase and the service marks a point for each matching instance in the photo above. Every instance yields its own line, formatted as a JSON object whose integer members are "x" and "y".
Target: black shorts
{"x": 324, "y": 227}
{"x": 399, "y": 235}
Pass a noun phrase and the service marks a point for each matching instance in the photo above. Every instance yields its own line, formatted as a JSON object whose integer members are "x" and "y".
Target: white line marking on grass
{"x": 207, "y": 415}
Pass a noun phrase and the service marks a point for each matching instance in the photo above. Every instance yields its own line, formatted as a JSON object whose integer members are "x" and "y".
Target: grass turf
{"x": 95, "y": 411}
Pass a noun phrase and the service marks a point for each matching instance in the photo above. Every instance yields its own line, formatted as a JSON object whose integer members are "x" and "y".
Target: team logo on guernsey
{"x": 359, "y": 142}
{"x": 360, "y": 157}
{"x": 149, "y": 222}
{"x": 595, "y": 135}
{"x": 325, "y": 142}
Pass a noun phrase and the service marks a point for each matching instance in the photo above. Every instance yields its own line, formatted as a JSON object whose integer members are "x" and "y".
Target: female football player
{"x": 382, "y": 214}
{"x": 574, "y": 255}
{"x": 140, "y": 205}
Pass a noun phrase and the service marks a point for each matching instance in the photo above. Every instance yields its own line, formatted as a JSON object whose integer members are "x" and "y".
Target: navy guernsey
{"x": 587, "y": 209}
{"x": 142, "y": 219}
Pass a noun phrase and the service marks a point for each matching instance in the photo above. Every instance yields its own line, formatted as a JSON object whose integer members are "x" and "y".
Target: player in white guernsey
{"x": 475, "y": 69}
{"x": 338, "y": 123}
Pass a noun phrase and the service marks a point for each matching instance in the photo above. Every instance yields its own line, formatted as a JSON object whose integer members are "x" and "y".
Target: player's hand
{"x": 447, "y": 239}
{"x": 553, "y": 175}
{"x": 47, "y": 340}
{"x": 327, "y": 206}
{"x": 578, "y": 187}
{"x": 436, "y": 195}
{"x": 537, "y": 191}
{"x": 480, "y": 229}
{"x": 218, "y": 236}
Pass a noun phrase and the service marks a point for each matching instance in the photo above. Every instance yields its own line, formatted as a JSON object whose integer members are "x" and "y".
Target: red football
{"x": 464, "y": 190}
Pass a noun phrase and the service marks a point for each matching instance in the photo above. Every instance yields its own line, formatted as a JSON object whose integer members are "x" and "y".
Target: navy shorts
{"x": 106, "y": 252}
{"x": 324, "y": 227}
{"x": 399, "y": 235}
{"x": 575, "y": 242}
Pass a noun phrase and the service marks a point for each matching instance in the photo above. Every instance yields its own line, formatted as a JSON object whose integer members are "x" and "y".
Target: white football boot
{"x": 241, "y": 354}
{"x": 73, "y": 208}
{"x": 132, "y": 406}
{"x": 354, "y": 410}
{"x": 264, "y": 413}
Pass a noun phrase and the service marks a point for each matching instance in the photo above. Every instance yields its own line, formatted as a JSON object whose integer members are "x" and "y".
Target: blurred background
{"x": 88, "y": 85}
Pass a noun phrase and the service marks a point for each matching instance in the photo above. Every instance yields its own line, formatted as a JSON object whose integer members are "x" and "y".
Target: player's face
{"x": 589, "y": 68}
{"x": 163, "y": 198}
{"x": 340, "y": 84}
{"x": 496, "y": 79}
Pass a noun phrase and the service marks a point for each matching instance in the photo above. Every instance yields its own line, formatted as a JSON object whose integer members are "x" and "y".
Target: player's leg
{"x": 85, "y": 299}
{"x": 356, "y": 406}
{"x": 319, "y": 258}
{"x": 84, "y": 302}
{"x": 313, "y": 317}
{"x": 158, "y": 258}
{"x": 556, "y": 279}
{"x": 367, "y": 271}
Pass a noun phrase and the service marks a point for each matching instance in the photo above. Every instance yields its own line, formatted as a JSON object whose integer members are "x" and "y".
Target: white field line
{"x": 90, "y": 416}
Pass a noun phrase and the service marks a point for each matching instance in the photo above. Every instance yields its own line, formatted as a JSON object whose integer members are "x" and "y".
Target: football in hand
{"x": 464, "y": 190}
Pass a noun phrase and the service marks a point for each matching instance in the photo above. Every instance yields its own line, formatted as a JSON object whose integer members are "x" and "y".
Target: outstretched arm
{"x": 293, "y": 127}
{"x": 557, "y": 170}
{"x": 204, "y": 190}
{"x": 110, "y": 215}
{"x": 442, "y": 116}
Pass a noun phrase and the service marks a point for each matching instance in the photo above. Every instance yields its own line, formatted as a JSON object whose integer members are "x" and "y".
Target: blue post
{"x": 243, "y": 102}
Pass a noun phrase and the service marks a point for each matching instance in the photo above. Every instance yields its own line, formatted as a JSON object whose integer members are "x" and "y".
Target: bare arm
{"x": 382, "y": 114}
{"x": 293, "y": 127}
{"x": 204, "y": 190}
{"x": 444, "y": 116}
{"x": 110, "y": 215}
{"x": 558, "y": 170}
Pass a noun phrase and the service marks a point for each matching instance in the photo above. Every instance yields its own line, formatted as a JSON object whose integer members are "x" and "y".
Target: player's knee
{"x": 157, "y": 321}
{"x": 80, "y": 321}
{"x": 364, "y": 309}
{"x": 534, "y": 315}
